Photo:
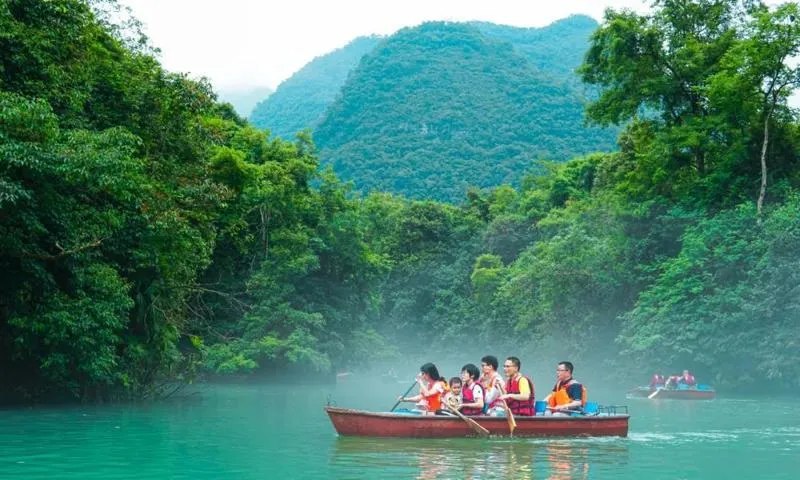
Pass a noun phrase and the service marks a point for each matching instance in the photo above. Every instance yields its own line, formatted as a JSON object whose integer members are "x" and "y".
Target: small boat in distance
{"x": 361, "y": 423}
{"x": 682, "y": 392}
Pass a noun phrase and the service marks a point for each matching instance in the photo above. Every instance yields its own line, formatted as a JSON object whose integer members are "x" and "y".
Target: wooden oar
{"x": 512, "y": 422}
{"x": 472, "y": 423}
{"x": 653, "y": 395}
{"x": 401, "y": 398}
{"x": 566, "y": 411}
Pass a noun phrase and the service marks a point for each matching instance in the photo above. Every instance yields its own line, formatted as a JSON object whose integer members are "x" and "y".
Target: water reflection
{"x": 471, "y": 458}
{"x": 433, "y": 466}
{"x": 568, "y": 462}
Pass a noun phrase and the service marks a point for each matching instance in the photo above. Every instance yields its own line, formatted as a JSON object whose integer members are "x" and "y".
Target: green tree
{"x": 653, "y": 71}
{"x": 724, "y": 302}
{"x": 757, "y": 78}
{"x": 486, "y": 277}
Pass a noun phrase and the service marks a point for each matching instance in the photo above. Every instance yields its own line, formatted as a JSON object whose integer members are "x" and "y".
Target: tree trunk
{"x": 700, "y": 161}
{"x": 763, "y": 192}
{"x": 266, "y": 215}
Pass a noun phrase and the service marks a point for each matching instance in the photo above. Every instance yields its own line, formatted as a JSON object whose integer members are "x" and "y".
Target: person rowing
{"x": 519, "y": 394}
{"x": 431, "y": 388}
{"x": 672, "y": 382}
{"x": 687, "y": 379}
{"x": 656, "y": 381}
{"x": 493, "y": 386}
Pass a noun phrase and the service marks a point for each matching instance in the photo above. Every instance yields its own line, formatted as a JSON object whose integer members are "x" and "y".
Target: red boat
{"x": 701, "y": 392}
{"x": 372, "y": 424}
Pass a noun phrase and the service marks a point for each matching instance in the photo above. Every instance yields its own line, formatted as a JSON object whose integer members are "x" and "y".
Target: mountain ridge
{"x": 300, "y": 101}
{"x": 440, "y": 107}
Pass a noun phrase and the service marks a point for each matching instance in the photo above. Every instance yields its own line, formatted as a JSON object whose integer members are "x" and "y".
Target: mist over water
{"x": 602, "y": 373}
{"x": 280, "y": 431}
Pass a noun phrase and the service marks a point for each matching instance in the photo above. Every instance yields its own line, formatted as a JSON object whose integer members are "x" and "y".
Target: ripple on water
{"x": 650, "y": 437}
{"x": 711, "y": 436}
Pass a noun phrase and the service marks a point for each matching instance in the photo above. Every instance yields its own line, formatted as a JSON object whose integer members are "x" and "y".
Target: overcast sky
{"x": 252, "y": 43}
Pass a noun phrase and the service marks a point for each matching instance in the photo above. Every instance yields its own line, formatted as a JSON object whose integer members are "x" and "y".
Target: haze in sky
{"x": 241, "y": 44}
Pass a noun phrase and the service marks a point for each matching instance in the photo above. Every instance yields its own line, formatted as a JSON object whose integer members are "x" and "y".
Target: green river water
{"x": 277, "y": 431}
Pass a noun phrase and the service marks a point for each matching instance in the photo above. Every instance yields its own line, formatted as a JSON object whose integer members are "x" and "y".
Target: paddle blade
{"x": 512, "y": 422}
{"x": 654, "y": 394}
{"x": 475, "y": 426}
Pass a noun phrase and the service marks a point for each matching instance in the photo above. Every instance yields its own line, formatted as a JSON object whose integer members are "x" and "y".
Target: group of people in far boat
{"x": 673, "y": 381}
{"x": 487, "y": 392}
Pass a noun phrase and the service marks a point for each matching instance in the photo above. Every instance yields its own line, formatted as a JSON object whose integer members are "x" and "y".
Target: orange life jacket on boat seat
{"x": 561, "y": 397}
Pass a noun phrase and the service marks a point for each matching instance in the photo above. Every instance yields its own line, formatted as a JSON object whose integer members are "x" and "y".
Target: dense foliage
{"x": 127, "y": 195}
{"x": 147, "y": 233}
{"x": 555, "y": 50}
{"x": 300, "y": 101}
{"x": 106, "y": 204}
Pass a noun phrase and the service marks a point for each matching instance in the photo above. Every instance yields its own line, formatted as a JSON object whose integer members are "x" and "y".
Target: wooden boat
{"x": 701, "y": 392}
{"x": 374, "y": 424}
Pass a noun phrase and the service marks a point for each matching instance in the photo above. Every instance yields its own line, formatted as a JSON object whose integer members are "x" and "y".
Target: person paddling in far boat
{"x": 431, "y": 388}
{"x": 568, "y": 395}
{"x": 672, "y": 382}
{"x": 472, "y": 393}
{"x": 519, "y": 389}
{"x": 687, "y": 379}
{"x": 493, "y": 386}
{"x": 656, "y": 381}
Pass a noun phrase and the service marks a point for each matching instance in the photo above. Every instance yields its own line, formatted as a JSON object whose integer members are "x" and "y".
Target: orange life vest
{"x": 561, "y": 397}
{"x": 434, "y": 400}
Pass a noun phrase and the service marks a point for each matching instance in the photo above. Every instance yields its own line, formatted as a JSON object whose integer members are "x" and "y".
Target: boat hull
{"x": 359, "y": 423}
{"x": 679, "y": 394}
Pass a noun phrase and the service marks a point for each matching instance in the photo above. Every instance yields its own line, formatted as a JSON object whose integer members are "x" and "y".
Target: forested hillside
{"x": 141, "y": 222}
{"x": 149, "y": 236}
{"x": 555, "y": 50}
{"x": 300, "y": 101}
{"x": 439, "y": 107}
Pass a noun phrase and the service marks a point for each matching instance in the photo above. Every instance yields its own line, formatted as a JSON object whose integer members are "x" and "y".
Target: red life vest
{"x": 520, "y": 407}
{"x": 468, "y": 397}
{"x": 656, "y": 381}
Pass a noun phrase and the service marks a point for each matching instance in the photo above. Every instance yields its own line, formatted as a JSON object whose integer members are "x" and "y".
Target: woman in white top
{"x": 493, "y": 384}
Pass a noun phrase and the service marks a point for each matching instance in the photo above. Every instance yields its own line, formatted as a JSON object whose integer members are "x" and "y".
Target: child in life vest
{"x": 453, "y": 397}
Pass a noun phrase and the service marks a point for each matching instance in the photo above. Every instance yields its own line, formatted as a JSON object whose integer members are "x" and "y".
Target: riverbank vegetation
{"x": 149, "y": 233}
